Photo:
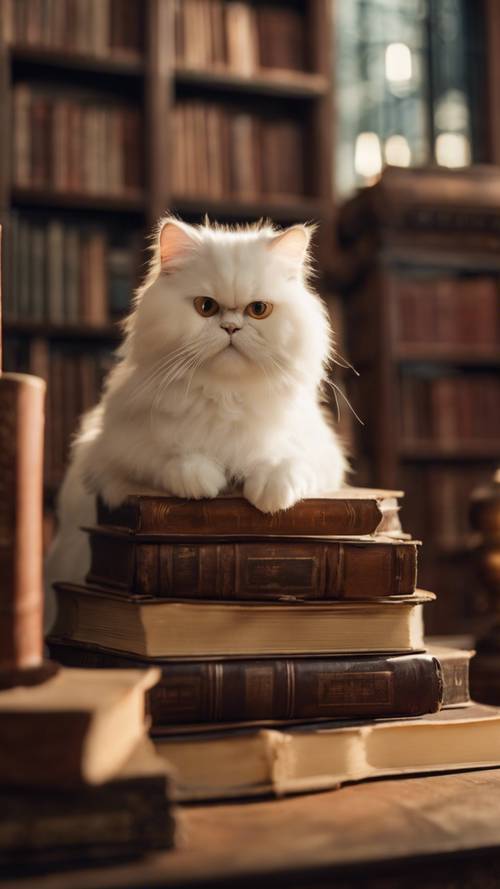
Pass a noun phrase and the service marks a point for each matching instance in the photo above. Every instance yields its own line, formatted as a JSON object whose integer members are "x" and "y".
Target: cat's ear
{"x": 176, "y": 239}
{"x": 292, "y": 244}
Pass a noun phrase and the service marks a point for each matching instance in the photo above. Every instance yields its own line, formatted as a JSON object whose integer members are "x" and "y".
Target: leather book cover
{"x": 21, "y": 485}
{"x": 253, "y": 569}
{"x": 89, "y": 822}
{"x": 350, "y": 512}
{"x": 281, "y": 688}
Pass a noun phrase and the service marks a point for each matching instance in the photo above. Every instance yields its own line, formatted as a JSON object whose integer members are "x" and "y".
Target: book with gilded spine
{"x": 270, "y": 569}
{"x": 349, "y": 512}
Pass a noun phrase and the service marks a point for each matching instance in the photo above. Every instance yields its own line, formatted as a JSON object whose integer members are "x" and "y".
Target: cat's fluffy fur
{"x": 190, "y": 408}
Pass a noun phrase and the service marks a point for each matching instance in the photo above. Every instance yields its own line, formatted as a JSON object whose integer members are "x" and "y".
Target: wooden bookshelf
{"x": 283, "y": 84}
{"x": 89, "y": 332}
{"x": 149, "y": 77}
{"x": 470, "y": 356}
{"x": 458, "y": 451}
{"x": 278, "y": 209}
{"x": 45, "y": 57}
{"x": 422, "y": 298}
{"x": 78, "y": 200}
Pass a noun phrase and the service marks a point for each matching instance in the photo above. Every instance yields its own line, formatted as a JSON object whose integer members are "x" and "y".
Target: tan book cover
{"x": 79, "y": 727}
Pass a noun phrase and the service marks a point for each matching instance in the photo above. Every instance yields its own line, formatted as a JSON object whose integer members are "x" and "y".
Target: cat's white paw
{"x": 271, "y": 488}
{"x": 113, "y": 490}
{"x": 194, "y": 477}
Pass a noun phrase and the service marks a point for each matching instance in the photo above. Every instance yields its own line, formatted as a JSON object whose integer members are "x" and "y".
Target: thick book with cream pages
{"x": 156, "y": 628}
{"x": 217, "y": 764}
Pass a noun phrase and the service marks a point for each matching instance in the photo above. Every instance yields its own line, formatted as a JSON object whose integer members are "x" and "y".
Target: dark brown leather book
{"x": 254, "y": 689}
{"x": 126, "y": 817}
{"x": 352, "y": 511}
{"x": 271, "y": 569}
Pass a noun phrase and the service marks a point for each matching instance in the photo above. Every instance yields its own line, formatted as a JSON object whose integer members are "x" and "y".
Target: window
{"x": 408, "y": 81}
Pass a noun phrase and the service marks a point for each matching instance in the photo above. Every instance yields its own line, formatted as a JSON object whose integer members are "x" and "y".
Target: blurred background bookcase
{"x": 117, "y": 111}
{"x": 423, "y": 322}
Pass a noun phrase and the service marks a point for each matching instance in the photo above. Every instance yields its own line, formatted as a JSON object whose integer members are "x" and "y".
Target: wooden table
{"x": 436, "y": 832}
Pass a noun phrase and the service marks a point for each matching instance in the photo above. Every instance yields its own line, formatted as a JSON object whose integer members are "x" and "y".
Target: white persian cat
{"x": 218, "y": 382}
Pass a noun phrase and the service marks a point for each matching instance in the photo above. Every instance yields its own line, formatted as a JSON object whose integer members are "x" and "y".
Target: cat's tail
{"x": 69, "y": 555}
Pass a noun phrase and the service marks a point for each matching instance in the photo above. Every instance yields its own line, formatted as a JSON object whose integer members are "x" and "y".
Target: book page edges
{"x": 352, "y": 760}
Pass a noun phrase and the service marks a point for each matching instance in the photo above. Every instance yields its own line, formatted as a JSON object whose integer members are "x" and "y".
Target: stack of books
{"x": 291, "y": 646}
{"x": 79, "y": 777}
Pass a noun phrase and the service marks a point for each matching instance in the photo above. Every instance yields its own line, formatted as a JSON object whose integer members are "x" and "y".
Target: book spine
{"x": 281, "y": 688}
{"x": 253, "y": 571}
{"x": 21, "y": 464}
{"x": 225, "y": 517}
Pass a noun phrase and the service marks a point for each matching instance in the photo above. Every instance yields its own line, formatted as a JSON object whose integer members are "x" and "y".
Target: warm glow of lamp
{"x": 397, "y": 151}
{"x": 453, "y": 150}
{"x": 368, "y": 155}
{"x": 398, "y": 63}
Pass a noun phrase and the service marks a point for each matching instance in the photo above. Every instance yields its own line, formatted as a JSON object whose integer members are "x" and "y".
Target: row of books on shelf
{"x": 74, "y": 379}
{"x": 93, "y": 27}
{"x": 448, "y": 310}
{"x": 219, "y": 150}
{"x": 450, "y": 409}
{"x": 242, "y": 37}
{"x": 75, "y": 142}
{"x": 64, "y": 273}
{"x": 74, "y": 375}
{"x": 300, "y": 688}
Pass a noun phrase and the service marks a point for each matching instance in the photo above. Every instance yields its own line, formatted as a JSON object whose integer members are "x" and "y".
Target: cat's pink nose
{"x": 229, "y": 328}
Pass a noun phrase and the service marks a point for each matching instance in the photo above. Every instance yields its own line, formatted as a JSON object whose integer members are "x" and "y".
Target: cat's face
{"x": 231, "y": 308}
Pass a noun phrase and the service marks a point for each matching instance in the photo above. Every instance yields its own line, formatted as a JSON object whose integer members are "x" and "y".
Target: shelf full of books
{"x": 222, "y": 151}
{"x": 240, "y": 37}
{"x": 108, "y": 28}
{"x": 69, "y": 141}
{"x": 67, "y": 272}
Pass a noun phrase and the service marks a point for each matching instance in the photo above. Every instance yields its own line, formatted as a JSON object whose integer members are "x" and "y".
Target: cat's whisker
{"x": 335, "y": 389}
{"x": 196, "y": 365}
{"x": 334, "y": 356}
{"x": 163, "y": 366}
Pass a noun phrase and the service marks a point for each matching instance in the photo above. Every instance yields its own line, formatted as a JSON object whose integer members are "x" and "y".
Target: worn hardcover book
{"x": 455, "y": 669}
{"x": 252, "y": 761}
{"x": 79, "y": 727}
{"x": 171, "y": 628}
{"x": 125, "y": 817}
{"x": 242, "y": 690}
{"x": 271, "y": 569}
{"x": 349, "y": 512}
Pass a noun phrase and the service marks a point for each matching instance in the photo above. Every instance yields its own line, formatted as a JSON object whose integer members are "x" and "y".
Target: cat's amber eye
{"x": 206, "y": 306}
{"x": 259, "y": 310}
